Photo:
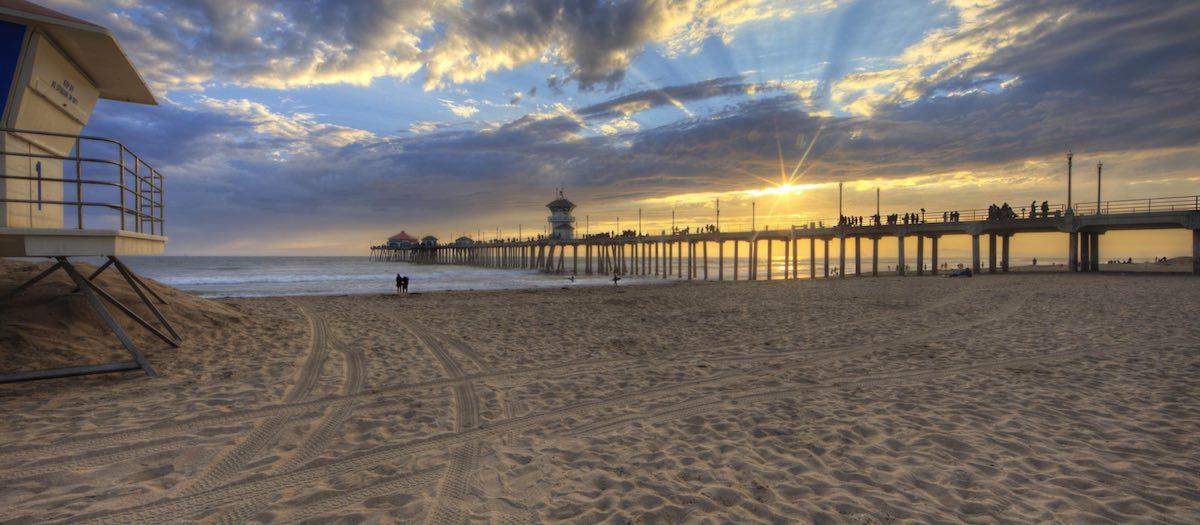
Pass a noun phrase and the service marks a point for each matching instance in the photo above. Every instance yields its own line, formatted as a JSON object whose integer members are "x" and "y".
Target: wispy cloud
{"x": 461, "y": 109}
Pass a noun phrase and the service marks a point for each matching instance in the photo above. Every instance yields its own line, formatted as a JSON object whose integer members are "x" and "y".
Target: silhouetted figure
{"x": 1045, "y": 209}
{"x": 399, "y": 283}
{"x": 404, "y": 284}
{"x": 616, "y": 277}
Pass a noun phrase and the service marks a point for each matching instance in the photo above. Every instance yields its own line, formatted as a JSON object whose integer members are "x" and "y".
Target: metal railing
{"x": 138, "y": 185}
{"x": 1160, "y": 204}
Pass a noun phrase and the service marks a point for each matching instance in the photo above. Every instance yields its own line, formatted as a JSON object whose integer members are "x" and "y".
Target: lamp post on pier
{"x": 1070, "y": 159}
{"x": 1099, "y": 169}
{"x": 839, "y": 203}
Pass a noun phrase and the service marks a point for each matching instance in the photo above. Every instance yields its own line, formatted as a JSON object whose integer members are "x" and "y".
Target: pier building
{"x": 401, "y": 241}
{"x": 562, "y": 223}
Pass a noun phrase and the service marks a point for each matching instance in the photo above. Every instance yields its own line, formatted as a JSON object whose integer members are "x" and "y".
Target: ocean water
{"x": 256, "y": 276}
{"x": 282, "y": 276}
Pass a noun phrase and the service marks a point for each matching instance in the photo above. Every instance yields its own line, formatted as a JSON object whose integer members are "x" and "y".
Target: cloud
{"x": 988, "y": 103}
{"x": 300, "y": 130}
{"x": 734, "y": 86}
{"x": 190, "y": 44}
{"x": 461, "y": 109}
{"x": 426, "y": 126}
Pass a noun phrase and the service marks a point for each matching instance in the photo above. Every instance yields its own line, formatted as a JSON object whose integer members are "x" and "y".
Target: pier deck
{"x": 676, "y": 254}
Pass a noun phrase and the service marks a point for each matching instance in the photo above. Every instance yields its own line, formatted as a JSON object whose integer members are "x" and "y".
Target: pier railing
{"x": 1160, "y": 204}
{"x": 97, "y": 174}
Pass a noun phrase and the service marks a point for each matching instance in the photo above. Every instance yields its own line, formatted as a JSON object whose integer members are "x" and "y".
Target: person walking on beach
{"x": 399, "y": 283}
{"x": 404, "y": 284}
{"x": 616, "y": 277}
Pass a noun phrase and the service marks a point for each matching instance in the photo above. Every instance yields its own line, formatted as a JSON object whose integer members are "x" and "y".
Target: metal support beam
{"x": 875, "y": 256}
{"x": 920, "y": 255}
{"x": 857, "y": 256}
{"x": 10, "y": 295}
{"x": 795, "y": 254}
{"x": 1073, "y": 252}
{"x": 974, "y": 253}
{"x": 175, "y": 341}
{"x": 1095, "y": 256}
{"x": 812, "y": 258}
{"x": 1195, "y": 252}
{"x": 1004, "y": 253}
{"x": 770, "y": 259}
{"x": 721, "y": 260}
{"x": 991, "y": 253}
{"x": 842, "y": 257}
{"x": 1085, "y": 252}
{"x": 89, "y": 291}
{"x": 933, "y": 253}
{"x": 826, "y": 257}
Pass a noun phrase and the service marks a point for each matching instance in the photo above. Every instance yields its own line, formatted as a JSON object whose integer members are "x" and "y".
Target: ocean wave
{"x": 270, "y": 279}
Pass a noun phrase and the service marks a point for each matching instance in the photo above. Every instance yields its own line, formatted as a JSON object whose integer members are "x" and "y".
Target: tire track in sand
{"x": 306, "y": 409}
{"x": 376, "y": 489}
{"x": 464, "y": 458}
{"x": 326, "y": 429}
{"x": 301, "y": 410}
{"x": 716, "y": 403}
{"x": 230, "y": 462}
{"x": 264, "y": 488}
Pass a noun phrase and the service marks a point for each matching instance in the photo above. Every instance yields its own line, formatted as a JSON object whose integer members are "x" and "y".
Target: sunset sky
{"x": 322, "y": 126}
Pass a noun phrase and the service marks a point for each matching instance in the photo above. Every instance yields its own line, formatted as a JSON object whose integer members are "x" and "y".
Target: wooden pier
{"x": 686, "y": 255}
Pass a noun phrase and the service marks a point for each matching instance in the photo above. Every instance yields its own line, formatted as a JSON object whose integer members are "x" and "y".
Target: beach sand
{"x": 1005, "y": 398}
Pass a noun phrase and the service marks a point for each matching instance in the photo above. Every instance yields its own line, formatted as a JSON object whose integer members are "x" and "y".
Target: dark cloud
{"x": 1097, "y": 75}
{"x": 279, "y": 43}
{"x": 651, "y": 98}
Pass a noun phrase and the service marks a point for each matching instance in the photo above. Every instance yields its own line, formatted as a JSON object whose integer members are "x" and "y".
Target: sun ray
{"x": 808, "y": 150}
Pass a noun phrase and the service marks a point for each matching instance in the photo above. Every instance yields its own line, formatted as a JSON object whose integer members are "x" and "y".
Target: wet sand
{"x": 1020, "y": 398}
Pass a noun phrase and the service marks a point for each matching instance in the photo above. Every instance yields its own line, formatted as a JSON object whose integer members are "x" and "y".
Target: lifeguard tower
{"x": 65, "y": 195}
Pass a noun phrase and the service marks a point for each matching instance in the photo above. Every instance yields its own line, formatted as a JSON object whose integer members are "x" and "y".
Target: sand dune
{"x": 1012, "y": 398}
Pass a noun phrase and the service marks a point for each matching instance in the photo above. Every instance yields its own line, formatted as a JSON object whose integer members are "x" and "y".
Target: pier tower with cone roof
{"x": 562, "y": 223}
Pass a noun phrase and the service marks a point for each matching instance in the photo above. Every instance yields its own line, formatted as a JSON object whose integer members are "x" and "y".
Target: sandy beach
{"x": 1010, "y": 398}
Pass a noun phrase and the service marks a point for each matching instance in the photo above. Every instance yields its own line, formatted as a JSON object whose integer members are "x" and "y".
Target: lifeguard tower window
{"x": 64, "y": 194}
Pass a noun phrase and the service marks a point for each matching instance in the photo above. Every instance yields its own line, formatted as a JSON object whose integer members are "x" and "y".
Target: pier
{"x": 686, "y": 255}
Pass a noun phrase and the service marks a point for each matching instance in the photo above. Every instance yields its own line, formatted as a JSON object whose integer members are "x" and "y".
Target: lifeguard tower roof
{"x": 91, "y": 47}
